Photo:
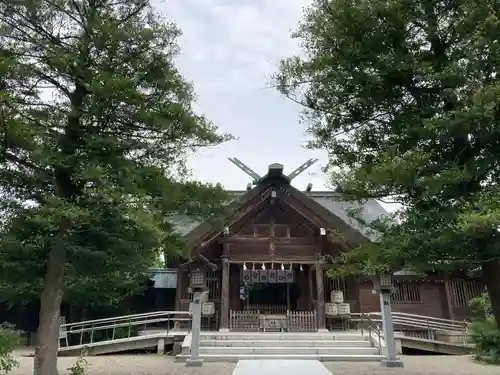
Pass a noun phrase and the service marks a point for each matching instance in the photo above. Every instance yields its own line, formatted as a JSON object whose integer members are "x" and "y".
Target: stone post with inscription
{"x": 199, "y": 289}
{"x": 384, "y": 287}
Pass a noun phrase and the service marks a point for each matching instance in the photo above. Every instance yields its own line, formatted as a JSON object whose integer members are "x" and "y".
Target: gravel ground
{"x": 159, "y": 365}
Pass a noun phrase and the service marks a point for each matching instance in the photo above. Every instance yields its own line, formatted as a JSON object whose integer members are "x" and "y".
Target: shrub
{"x": 80, "y": 366}
{"x": 484, "y": 331}
{"x": 9, "y": 340}
{"x": 481, "y": 307}
{"x": 486, "y": 336}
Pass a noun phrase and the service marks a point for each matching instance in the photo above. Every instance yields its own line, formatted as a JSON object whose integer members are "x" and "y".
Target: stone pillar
{"x": 194, "y": 357}
{"x": 320, "y": 296}
{"x": 224, "y": 305}
{"x": 161, "y": 346}
{"x": 391, "y": 359}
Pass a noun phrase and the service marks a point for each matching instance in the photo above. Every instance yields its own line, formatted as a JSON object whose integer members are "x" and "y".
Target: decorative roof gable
{"x": 326, "y": 205}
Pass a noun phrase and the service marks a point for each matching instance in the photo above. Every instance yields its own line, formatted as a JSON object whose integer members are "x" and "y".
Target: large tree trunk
{"x": 491, "y": 277}
{"x": 47, "y": 338}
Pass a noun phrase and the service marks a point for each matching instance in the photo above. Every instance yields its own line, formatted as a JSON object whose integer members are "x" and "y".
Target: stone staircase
{"x": 332, "y": 346}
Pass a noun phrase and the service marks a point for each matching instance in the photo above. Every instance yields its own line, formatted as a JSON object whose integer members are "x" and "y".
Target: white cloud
{"x": 241, "y": 40}
{"x": 230, "y": 48}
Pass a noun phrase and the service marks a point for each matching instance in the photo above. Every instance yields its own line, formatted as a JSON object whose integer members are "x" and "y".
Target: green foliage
{"x": 116, "y": 333}
{"x": 486, "y": 336}
{"x": 96, "y": 124}
{"x": 404, "y": 104}
{"x": 80, "y": 366}
{"x": 403, "y": 96}
{"x": 9, "y": 340}
{"x": 481, "y": 307}
{"x": 484, "y": 332}
{"x": 123, "y": 332}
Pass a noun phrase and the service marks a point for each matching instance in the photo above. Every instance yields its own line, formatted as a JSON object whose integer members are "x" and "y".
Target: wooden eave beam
{"x": 205, "y": 232}
{"x": 319, "y": 224}
{"x": 259, "y": 241}
{"x": 308, "y": 259}
{"x": 235, "y": 220}
{"x": 353, "y": 236}
{"x": 313, "y": 219}
{"x": 304, "y": 222}
{"x": 201, "y": 259}
{"x": 258, "y": 211}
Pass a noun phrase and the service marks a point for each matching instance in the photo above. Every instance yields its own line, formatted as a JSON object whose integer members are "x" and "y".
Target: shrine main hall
{"x": 266, "y": 266}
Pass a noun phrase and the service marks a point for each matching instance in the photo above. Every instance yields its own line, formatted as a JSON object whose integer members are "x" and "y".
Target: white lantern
{"x": 331, "y": 309}
{"x": 337, "y": 296}
{"x": 208, "y": 309}
{"x": 344, "y": 309}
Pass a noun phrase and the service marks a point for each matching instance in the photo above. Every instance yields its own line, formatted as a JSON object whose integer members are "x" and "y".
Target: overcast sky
{"x": 230, "y": 48}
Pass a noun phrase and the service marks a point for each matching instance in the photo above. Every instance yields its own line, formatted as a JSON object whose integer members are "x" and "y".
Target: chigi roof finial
{"x": 274, "y": 170}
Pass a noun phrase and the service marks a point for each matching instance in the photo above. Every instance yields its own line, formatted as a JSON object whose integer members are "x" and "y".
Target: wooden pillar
{"x": 357, "y": 286}
{"x": 451, "y": 314}
{"x": 224, "y": 305}
{"x": 320, "y": 295}
{"x": 179, "y": 294}
{"x": 302, "y": 285}
{"x": 234, "y": 293}
{"x": 288, "y": 307}
{"x": 310, "y": 285}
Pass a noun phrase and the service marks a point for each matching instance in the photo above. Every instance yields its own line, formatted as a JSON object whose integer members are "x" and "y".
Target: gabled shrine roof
{"x": 369, "y": 211}
{"x": 326, "y": 204}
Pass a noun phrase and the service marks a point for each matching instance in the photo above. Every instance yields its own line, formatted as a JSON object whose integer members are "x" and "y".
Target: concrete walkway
{"x": 161, "y": 365}
{"x": 275, "y": 367}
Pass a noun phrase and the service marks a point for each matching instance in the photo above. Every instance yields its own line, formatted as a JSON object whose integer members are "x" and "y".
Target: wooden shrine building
{"x": 268, "y": 263}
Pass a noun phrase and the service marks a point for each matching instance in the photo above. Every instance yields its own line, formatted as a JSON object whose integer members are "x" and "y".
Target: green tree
{"x": 404, "y": 96}
{"x": 9, "y": 340}
{"x": 96, "y": 123}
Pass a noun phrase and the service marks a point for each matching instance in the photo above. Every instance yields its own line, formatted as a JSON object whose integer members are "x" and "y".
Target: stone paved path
{"x": 159, "y": 365}
{"x": 276, "y": 367}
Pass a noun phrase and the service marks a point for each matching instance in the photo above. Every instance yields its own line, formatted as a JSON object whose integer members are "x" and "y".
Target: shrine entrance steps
{"x": 331, "y": 346}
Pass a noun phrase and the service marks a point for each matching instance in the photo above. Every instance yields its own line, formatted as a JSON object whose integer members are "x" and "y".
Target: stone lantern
{"x": 384, "y": 283}
{"x": 197, "y": 281}
{"x": 197, "y": 286}
{"x": 384, "y": 286}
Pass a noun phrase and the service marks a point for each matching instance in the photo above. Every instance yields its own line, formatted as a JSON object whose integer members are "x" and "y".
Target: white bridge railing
{"x": 119, "y": 327}
{"x": 420, "y": 326}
